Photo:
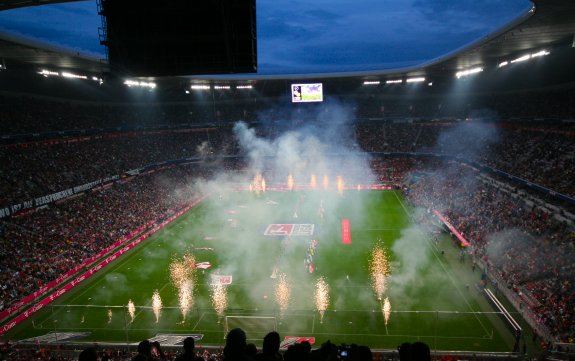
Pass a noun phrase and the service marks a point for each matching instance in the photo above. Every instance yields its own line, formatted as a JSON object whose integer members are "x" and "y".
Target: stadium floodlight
{"x": 99, "y": 80}
{"x": 244, "y": 87}
{"x": 221, "y": 87}
{"x": 47, "y": 73}
{"x": 415, "y": 80}
{"x": 502, "y": 64}
{"x": 200, "y": 87}
{"x": 394, "y": 81}
{"x": 467, "y": 72}
{"x": 540, "y": 53}
{"x": 371, "y": 82}
{"x": 73, "y": 76}
{"x": 521, "y": 58}
{"x": 141, "y": 84}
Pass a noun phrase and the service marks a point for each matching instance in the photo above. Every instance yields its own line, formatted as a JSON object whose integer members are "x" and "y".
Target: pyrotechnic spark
{"x": 178, "y": 272}
{"x": 182, "y": 276}
{"x": 321, "y": 297}
{"x": 219, "y": 298}
{"x": 189, "y": 261}
{"x": 290, "y": 182}
{"x": 283, "y": 293}
{"x": 359, "y": 187}
{"x": 313, "y": 181}
{"x": 185, "y": 298}
{"x": 258, "y": 184}
{"x": 379, "y": 269}
{"x": 156, "y": 305}
{"x": 325, "y": 182}
{"x": 109, "y": 315}
{"x": 340, "y": 184}
{"x": 131, "y": 310}
{"x": 386, "y": 310}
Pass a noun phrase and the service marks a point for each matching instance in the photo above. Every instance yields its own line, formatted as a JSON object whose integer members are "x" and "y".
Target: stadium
{"x": 160, "y": 195}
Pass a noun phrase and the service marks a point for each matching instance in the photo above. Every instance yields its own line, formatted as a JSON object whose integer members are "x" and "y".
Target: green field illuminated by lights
{"x": 432, "y": 295}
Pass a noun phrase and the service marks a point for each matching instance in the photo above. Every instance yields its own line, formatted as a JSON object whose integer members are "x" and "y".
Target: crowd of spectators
{"x": 41, "y": 169}
{"x": 530, "y": 248}
{"x": 542, "y": 155}
{"x": 37, "y": 248}
{"x": 236, "y": 348}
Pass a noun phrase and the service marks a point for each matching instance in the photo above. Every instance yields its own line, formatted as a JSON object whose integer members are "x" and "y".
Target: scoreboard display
{"x": 304, "y": 93}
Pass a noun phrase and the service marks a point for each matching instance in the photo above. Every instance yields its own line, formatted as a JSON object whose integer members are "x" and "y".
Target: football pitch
{"x": 255, "y": 262}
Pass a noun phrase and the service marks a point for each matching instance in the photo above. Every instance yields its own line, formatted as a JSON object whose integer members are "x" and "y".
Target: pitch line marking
{"x": 102, "y": 278}
{"x": 434, "y": 249}
{"x": 198, "y": 322}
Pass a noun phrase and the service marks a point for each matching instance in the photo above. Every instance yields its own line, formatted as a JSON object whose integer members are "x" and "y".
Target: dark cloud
{"x": 480, "y": 17}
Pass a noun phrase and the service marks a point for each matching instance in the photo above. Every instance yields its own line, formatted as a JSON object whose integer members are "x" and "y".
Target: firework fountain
{"x": 283, "y": 293}
{"x": 325, "y": 182}
{"x": 185, "y": 299}
{"x": 290, "y": 182}
{"x": 258, "y": 184}
{"x": 340, "y": 184}
{"x": 379, "y": 269}
{"x": 321, "y": 297}
{"x": 131, "y": 310}
{"x": 156, "y": 304}
{"x": 386, "y": 309}
{"x": 182, "y": 277}
{"x": 219, "y": 298}
{"x": 313, "y": 181}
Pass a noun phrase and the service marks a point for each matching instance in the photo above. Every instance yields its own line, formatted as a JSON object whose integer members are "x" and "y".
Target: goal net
{"x": 254, "y": 326}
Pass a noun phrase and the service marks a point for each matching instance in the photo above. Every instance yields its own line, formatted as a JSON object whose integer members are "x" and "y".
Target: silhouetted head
{"x": 251, "y": 350}
{"x": 88, "y": 354}
{"x": 417, "y": 351}
{"x": 189, "y": 344}
{"x": 235, "y": 343}
{"x": 404, "y": 351}
{"x": 145, "y": 348}
{"x": 420, "y": 352}
{"x": 271, "y": 343}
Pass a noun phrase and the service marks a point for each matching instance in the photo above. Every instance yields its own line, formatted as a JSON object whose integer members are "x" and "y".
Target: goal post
{"x": 254, "y": 326}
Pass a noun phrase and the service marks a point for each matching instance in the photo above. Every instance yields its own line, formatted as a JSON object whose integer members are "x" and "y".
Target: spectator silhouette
{"x": 144, "y": 351}
{"x": 88, "y": 354}
{"x": 188, "y": 355}
{"x": 297, "y": 352}
{"x": 157, "y": 353}
{"x": 417, "y": 351}
{"x": 270, "y": 348}
{"x": 235, "y": 348}
{"x": 360, "y": 353}
{"x": 251, "y": 350}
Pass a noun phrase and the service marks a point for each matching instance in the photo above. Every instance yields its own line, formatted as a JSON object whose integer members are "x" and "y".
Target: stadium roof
{"x": 548, "y": 24}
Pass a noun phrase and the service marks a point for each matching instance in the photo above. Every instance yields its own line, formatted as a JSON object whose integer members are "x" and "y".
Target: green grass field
{"x": 432, "y": 295}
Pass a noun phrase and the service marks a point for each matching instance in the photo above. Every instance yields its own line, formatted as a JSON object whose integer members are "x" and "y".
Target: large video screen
{"x": 301, "y": 93}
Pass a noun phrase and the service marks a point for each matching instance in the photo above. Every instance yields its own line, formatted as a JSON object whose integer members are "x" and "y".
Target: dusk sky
{"x": 321, "y": 36}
